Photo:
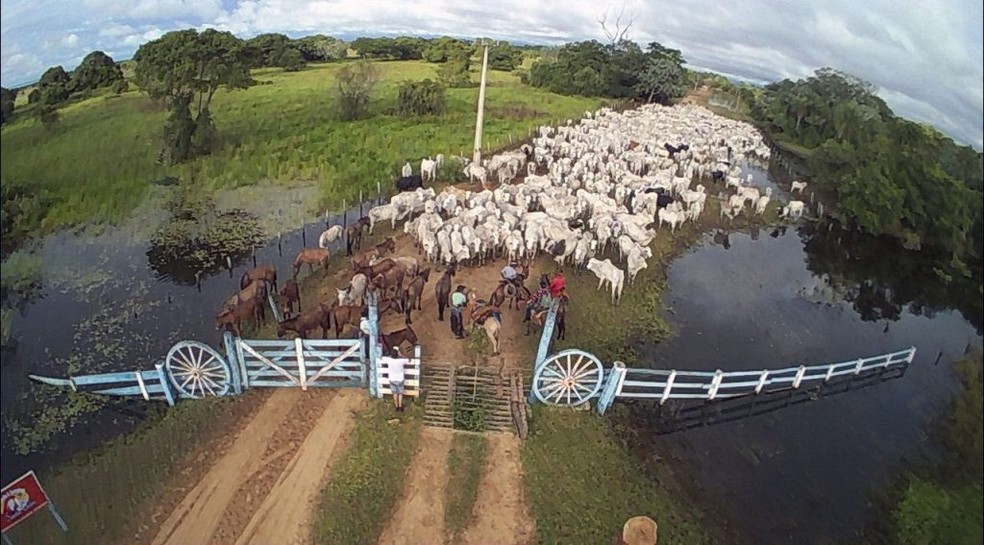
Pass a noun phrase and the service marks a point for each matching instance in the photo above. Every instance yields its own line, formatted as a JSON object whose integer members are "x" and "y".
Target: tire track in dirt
{"x": 500, "y": 514}
{"x": 285, "y": 515}
{"x": 419, "y": 516}
{"x": 199, "y": 514}
{"x": 295, "y": 428}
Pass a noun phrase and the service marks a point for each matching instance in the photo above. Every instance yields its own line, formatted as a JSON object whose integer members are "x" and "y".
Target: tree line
{"x": 888, "y": 176}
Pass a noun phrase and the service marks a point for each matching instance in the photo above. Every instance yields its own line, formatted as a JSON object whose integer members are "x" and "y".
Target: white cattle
{"x": 407, "y": 170}
{"x": 354, "y": 293}
{"x": 383, "y": 212}
{"x": 797, "y": 186}
{"x": 428, "y": 169}
{"x": 607, "y": 272}
{"x": 476, "y": 173}
{"x": 793, "y": 210}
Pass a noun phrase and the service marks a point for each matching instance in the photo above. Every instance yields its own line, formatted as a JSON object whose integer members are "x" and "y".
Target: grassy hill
{"x": 99, "y": 160}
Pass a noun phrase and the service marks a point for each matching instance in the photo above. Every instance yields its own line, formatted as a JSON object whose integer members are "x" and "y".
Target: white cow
{"x": 607, "y": 272}
{"x": 407, "y": 170}
{"x": 428, "y": 169}
{"x": 793, "y": 210}
{"x": 385, "y": 212}
{"x": 797, "y": 186}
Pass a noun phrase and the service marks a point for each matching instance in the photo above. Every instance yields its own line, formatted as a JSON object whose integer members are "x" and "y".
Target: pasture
{"x": 100, "y": 159}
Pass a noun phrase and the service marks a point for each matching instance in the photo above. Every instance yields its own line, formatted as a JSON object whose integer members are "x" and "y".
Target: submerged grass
{"x": 583, "y": 485}
{"x": 366, "y": 482}
{"x": 465, "y": 463}
{"x": 99, "y": 160}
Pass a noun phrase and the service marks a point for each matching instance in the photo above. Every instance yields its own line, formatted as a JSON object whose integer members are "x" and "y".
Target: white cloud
{"x": 925, "y": 57}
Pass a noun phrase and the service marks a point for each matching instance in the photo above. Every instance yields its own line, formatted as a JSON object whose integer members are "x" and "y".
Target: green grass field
{"x": 100, "y": 158}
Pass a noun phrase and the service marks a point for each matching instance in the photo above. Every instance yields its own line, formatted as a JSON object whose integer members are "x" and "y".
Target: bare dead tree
{"x": 619, "y": 33}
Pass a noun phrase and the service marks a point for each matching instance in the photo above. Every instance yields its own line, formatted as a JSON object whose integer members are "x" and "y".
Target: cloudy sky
{"x": 925, "y": 57}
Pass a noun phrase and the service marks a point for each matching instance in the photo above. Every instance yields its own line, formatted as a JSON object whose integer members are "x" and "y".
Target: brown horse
{"x": 255, "y": 292}
{"x": 396, "y": 338}
{"x": 387, "y": 246}
{"x": 354, "y": 234}
{"x": 291, "y": 294}
{"x": 302, "y": 324}
{"x": 233, "y": 318}
{"x": 414, "y": 291}
{"x": 265, "y": 272}
{"x": 560, "y": 324}
{"x": 343, "y": 315}
{"x": 443, "y": 291}
{"x": 311, "y": 257}
{"x": 390, "y": 278}
{"x": 371, "y": 271}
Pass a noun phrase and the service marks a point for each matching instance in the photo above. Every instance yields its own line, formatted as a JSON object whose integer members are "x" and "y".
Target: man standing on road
{"x": 458, "y": 302}
{"x": 394, "y": 365}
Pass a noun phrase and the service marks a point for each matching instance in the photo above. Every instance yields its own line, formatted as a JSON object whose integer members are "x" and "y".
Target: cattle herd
{"x": 573, "y": 192}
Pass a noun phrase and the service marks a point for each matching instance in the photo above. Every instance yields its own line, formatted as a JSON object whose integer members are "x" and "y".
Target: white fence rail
{"x": 411, "y": 376}
{"x": 622, "y": 382}
{"x": 304, "y": 363}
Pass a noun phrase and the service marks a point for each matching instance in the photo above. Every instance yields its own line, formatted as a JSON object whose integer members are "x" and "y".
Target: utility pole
{"x": 477, "y": 154}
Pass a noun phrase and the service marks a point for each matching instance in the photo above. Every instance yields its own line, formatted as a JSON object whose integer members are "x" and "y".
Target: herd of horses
{"x": 397, "y": 282}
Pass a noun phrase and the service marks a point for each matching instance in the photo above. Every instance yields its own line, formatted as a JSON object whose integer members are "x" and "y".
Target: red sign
{"x": 20, "y": 499}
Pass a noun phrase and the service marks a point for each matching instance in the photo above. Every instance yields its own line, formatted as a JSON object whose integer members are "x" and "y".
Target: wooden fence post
{"x": 544, "y": 347}
{"x": 229, "y": 340}
{"x": 613, "y": 385}
{"x": 374, "y": 390}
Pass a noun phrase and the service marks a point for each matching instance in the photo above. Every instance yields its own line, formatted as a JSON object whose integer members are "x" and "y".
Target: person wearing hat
{"x": 509, "y": 273}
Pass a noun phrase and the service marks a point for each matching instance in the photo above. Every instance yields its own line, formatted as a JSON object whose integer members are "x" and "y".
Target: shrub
{"x": 422, "y": 98}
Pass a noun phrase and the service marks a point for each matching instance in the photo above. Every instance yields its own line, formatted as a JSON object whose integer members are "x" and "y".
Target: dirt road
{"x": 263, "y": 487}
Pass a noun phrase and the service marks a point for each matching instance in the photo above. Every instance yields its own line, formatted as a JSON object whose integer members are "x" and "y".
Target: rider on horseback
{"x": 509, "y": 273}
{"x": 538, "y": 300}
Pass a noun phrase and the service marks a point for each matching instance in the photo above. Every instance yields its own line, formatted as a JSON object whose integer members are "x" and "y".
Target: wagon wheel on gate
{"x": 196, "y": 370}
{"x": 569, "y": 377}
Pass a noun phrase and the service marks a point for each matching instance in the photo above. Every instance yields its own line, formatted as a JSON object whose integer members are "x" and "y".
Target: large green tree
{"x": 55, "y": 85}
{"x": 184, "y": 69}
{"x": 321, "y": 48}
{"x": 505, "y": 57}
{"x": 96, "y": 70}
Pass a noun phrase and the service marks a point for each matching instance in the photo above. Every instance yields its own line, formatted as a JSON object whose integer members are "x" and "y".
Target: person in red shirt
{"x": 558, "y": 286}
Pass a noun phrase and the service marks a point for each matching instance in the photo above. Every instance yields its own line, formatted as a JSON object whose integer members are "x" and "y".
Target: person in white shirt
{"x": 394, "y": 367}
{"x": 364, "y": 331}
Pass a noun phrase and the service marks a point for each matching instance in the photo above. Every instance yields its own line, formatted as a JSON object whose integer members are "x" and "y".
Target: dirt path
{"x": 264, "y": 487}
{"x": 285, "y": 515}
{"x": 198, "y": 515}
{"x": 500, "y": 514}
{"x": 419, "y": 516}
{"x": 500, "y": 509}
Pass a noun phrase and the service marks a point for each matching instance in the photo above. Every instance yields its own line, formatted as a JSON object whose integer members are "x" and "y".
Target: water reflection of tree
{"x": 199, "y": 238}
{"x": 880, "y": 278}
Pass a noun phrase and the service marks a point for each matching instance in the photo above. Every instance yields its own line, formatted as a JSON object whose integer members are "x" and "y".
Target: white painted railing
{"x": 623, "y": 382}
{"x": 411, "y": 376}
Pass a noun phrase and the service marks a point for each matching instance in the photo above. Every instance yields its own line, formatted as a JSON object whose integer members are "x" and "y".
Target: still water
{"x": 802, "y": 474}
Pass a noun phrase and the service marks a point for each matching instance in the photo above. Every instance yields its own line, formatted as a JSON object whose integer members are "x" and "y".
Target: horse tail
{"x": 244, "y": 280}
